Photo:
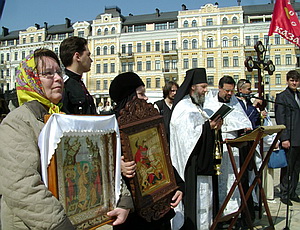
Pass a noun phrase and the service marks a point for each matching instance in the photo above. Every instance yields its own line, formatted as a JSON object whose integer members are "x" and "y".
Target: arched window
{"x": 185, "y": 44}
{"x": 234, "y": 20}
{"x": 186, "y": 24}
{"x": 106, "y": 31}
{"x": 194, "y": 44}
{"x": 113, "y": 30}
{"x": 98, "y": 50}
{"x": 224, "y": 21}
{"x": 99, "y": 32}
{"x": 235, "y": 41}
{"x": 105, "y": 50}
{"x": 210, "y": 42}
{"x": 112, "y": 50}
{"x": 225, "y": 42}
{"x": 194, "y": 23}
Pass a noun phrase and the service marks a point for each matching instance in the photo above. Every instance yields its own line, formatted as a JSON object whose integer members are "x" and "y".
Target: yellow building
{"x": 162, "y": 46}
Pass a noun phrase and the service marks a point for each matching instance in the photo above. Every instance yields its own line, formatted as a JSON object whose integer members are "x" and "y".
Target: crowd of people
{"x": 44, "y": 88}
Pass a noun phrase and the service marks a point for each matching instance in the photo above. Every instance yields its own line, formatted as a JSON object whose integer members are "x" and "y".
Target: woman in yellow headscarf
{"x": 26, "y": 202}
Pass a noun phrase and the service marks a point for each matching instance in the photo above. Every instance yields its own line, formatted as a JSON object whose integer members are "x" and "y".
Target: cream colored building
{"x": 162, "y": 46}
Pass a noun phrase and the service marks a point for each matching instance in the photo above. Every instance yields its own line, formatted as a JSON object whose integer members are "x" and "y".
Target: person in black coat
{"x": 287, "y": 113}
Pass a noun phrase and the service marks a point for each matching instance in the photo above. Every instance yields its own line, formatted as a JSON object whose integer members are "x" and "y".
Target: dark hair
{"x": 42, "y": 52}
{"x": 69, "y": 47}
{"x": 226, "y": 80}
{"x": 294, "y": 74}
{"x": 167, "y": 88}
{"x": 241, "y": 83}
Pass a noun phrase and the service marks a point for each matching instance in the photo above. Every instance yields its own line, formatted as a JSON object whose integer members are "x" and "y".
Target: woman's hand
{"x": 176, "y": 198}
{"x": 120, "y": 214}
{"x": 128, "y": 168}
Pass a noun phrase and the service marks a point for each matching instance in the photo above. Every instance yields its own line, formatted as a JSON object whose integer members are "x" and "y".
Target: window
{"x": 186, "y": 24}
{"x": 130, "y": 66}
{"x": 194, "y": 62}
{"x": 171, "y": 25}
{"x": 185, "y": 63}
{"x": 210, "y": 43}
{"x": 174, "y": 45}
{"x": 148, "y": 65}
{"x": 23, "y": 54}
{"x": 112, "y": 49}
{"x": 130, "y": 29}
{"x": 98, "y": 50}
{"x": 24, "y": 40}
{"x": 236, "y": 78}
{"x": 174, "y": 64}
{"x": 148, "y": 47}
{"x": 288, "y": 59}
{"x": 112, "y": 67}
{"x": 278, "y": 79}
{"x": 56, "y": 50}
{"x": 7, "y": 72}
{"x": 148, "y": 83}
{"x": 7, "y": 56}
{"x": 105, "y": 50}
{"x": 105, "y": 69}
{"x": 255, "y": 39}
{"x": 209, "y": 21}
{"x": 235, "y": 42}
{"x": 255, "y": 78}
{"x": 235, "y": 61}
{"x": 157, "y": 82}
{"x": 185, "y": 44}
{"x": 277, "y": 60}
{"x": 139, "y": 47}
{"x": 266, "y": 39}
{"x": 10, "y": 42}
{"x": 234, "y": 20}
{"x": 225, "y": 42}
{"x": 167, "y": 46}
{"x": 123, "y": 49}
{"x": 249, "y": 78}
{"x": 167, "y": 65}
{"x": 248, "y": 41}
{"x": 105, "y": 85}
{"x": 225, "y": 62}
{"x": 161, "y": 26}
{"x": 124, "y": 67}
{"x": 113, "y": 30}
{"x": 139, "y": 28}
{"x": 130, "y": 49}
{"x": 157, "y": 65}
{"x": 194, "y": 23}
{"x": 63, "y": 36}
{"x": 210, "y": 80}
{"x": 39, "y": 38}
{"x": 98, "y": 85}
{"x": 16, "y": 56}
{"x": 31, "y": 39}
{"x": 99, "y": 32}
{"x": 98, "y": 69}
{"x": 224, "y": 21}
{"x": 2, "y": 58}
{"x": 277, "y": 39}
{"x": 210, "y": 62}
{"x": 139, "y": 66}
{"x": 267, "y": 79}
{"x": 157, "y": 45}
{"x": 194, "y": 44}
{"x": 105, "y": 31}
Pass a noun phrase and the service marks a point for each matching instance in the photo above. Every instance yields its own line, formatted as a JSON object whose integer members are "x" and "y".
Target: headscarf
{"x": 29, "y": 86}
{"x": 123, "y": 88}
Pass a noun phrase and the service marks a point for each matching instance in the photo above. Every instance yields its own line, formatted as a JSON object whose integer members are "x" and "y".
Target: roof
{"x": 150, "y": 18}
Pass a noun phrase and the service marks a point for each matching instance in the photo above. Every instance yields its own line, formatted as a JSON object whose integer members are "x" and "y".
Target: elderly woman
{"x": 26, "y": 202}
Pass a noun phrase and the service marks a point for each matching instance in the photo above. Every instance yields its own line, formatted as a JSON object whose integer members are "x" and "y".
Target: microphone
{"x": 244, "y": 95}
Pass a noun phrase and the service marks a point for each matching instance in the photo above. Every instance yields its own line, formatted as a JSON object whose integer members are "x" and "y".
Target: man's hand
{"x": 286, "y": 144}
{"x": 121, "y": 215}
{"x": 216, "y": 123}
{"x": 128, "y": 168}
{"x": 176, "y": 198}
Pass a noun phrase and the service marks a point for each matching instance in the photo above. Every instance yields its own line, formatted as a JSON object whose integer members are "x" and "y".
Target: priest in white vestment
{"x": 191, "y": 148}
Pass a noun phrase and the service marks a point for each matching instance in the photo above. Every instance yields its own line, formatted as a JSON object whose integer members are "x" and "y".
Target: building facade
{"x": 162, "y": 46}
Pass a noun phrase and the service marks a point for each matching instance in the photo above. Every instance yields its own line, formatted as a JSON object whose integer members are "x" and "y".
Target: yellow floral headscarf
{"x": 29, "y": 86}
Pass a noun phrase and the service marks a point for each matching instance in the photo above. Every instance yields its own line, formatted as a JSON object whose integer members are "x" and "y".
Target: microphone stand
{"x": 292, "y": 109}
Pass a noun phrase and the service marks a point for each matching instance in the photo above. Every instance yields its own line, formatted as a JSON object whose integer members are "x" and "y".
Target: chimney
{"x": 216, "y": 3}
{"x": 157, "y": 12}
{"x": 46, "y": 25}
{"x": 239, "y": 2}
{"x": 183, "y": 7}
{"x": 5, "y": 31}
{"x": 37, "y": 26}
{"x": 68, "y": 22}
{"x": 130, "y": 14}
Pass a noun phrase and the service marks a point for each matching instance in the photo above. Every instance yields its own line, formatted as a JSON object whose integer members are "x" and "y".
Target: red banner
{"x": 285, "y": 22}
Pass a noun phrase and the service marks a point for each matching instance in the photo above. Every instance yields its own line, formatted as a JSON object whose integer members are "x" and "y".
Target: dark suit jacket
{"x": 284, "y": 115}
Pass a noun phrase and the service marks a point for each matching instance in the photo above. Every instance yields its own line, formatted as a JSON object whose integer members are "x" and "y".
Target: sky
{"x": 20, "y": 14}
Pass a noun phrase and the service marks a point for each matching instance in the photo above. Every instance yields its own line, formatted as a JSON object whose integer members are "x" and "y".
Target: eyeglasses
{"x": 51, "y": 74}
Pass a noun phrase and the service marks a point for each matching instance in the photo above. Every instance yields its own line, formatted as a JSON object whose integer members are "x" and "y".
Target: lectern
{"x": 255, "y": 136}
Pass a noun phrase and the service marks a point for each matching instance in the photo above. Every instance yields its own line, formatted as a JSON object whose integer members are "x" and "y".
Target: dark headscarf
{"x": 123, "y": 88}
{"x": 192, "y": 77}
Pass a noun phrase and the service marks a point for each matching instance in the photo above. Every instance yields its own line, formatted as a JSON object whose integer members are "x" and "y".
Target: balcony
{"x": 126, "y": 55}
{"x": 169, "y": 71}
{"x": 169, "y": 52}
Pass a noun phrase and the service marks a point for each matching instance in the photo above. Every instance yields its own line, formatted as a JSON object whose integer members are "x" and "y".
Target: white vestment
{"x": 185, "y": 130}
{"x": 234, "y": 121}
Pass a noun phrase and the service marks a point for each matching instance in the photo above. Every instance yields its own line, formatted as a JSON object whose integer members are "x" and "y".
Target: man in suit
{"x": 287, "y": 113}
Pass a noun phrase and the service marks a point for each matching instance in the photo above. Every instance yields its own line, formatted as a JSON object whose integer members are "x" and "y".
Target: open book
{"x": 222, "y": 111}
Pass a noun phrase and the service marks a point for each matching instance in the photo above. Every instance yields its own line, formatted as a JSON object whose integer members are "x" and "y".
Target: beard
{"x": 198, "y": 98}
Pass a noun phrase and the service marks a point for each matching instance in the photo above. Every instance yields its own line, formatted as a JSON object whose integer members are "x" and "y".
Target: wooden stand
{"x": 254, "y": 136}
